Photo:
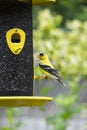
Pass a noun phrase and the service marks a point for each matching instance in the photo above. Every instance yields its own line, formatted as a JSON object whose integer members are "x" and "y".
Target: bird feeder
{"x": 16, "y": 54}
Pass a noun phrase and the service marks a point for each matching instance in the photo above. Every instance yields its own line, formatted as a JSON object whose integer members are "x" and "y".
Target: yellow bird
{"x": 47, "y": 68}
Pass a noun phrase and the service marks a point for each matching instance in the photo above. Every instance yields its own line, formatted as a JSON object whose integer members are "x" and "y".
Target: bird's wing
{"x": 49, "y": 69}
{"x": 52, "y": 72}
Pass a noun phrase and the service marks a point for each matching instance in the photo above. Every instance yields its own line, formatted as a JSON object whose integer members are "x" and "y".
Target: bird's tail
{"x": 60, "y": 80}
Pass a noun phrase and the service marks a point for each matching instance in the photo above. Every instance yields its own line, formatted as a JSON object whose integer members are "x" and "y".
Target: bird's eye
{"x": 41, "y": 54}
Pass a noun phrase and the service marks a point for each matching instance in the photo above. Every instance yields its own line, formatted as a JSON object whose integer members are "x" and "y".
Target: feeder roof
{"x": 34, "y": 2}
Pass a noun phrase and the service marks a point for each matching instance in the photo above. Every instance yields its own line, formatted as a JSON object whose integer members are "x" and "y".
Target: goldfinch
{"x": 47, "y": 68}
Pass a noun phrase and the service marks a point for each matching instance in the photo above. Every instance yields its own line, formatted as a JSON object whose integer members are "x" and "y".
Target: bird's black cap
{"x": 42, "y": 54}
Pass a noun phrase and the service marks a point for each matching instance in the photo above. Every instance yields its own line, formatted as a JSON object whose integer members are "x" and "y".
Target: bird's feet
{"x": 40, "y": 77}
{"x": 46, "y": 77}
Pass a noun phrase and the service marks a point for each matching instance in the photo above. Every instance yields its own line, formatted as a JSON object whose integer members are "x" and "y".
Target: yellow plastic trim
{"x": 18, "y": 101}
{"x": 15, "y": 40}
{"x": 37, "y": 2}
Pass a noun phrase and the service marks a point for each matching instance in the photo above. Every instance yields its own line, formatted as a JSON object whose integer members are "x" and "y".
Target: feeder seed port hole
{"x": 19, "y": 101}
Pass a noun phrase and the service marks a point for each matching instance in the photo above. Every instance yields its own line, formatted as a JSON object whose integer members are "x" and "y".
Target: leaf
{"x": 45, "y": 90}
{"x": 5, "y": 128}
{"x": 18, "y": 124}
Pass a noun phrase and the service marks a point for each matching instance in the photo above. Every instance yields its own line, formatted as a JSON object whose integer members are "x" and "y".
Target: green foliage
{"x": 11, "y": 114}
{"x": 69, "y": 106}
{"x": 67, "y": 8}
{"x": 46, "y": 90}
{"x": 67, "y": 50}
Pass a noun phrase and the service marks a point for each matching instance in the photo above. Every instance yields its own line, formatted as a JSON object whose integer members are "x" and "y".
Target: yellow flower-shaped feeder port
{"x": 15, "y": 40}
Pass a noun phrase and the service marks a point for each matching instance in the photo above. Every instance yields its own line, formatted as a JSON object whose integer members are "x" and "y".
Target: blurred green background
{"x": 60, "y": 30}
